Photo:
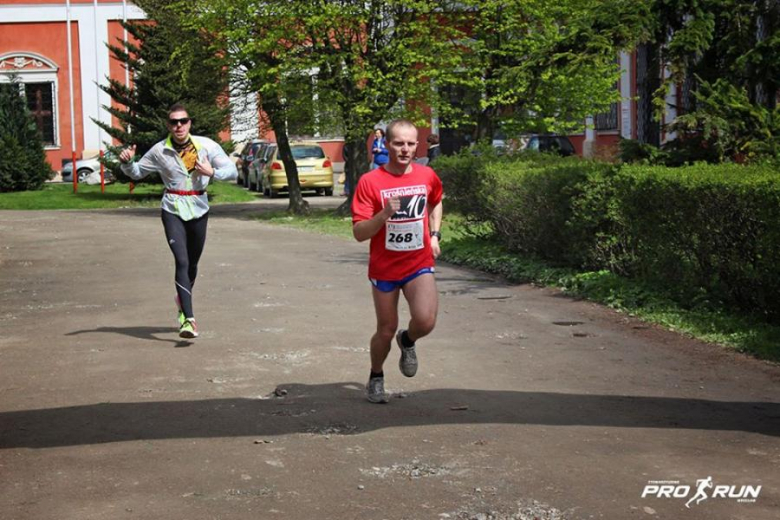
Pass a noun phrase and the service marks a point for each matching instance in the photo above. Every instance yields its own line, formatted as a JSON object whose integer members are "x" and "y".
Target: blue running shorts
{"x": 390, "y": 286}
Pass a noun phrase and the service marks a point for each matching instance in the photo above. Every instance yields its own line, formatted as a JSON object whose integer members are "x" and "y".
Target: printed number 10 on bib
{"x": 405, "y": 229}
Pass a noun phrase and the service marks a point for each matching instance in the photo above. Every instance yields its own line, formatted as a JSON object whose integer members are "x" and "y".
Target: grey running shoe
{"x": 408, "y": 361}
{"x": 375, "y": 390}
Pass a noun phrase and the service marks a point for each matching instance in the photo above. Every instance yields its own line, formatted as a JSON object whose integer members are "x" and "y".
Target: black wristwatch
{"x": 436, "y": 234}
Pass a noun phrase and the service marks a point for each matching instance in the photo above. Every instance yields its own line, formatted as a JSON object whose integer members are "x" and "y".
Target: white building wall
{"x": 626, "y": 74}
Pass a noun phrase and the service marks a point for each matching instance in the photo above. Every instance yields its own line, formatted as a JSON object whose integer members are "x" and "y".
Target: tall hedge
{"x": 706, "y": 234}
{"x": 23, "y": 163}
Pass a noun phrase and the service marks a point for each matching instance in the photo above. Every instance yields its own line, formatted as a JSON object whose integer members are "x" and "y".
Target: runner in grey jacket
{"x": 186, "y": 163}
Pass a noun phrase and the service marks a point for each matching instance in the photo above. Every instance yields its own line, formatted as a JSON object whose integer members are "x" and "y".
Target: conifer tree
{"x": 168, "y": 63}
{"x": 23, "y": 163}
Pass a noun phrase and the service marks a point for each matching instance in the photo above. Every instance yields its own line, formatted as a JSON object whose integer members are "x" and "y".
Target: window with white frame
{"x": 40, "y": 102}
{"x": 37, "y": 79}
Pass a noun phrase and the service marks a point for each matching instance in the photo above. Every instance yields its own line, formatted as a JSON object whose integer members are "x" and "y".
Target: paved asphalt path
{"x": 528, "y": 404}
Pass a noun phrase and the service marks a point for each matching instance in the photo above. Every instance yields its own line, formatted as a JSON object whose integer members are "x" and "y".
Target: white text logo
{"x": 704, "y": 489}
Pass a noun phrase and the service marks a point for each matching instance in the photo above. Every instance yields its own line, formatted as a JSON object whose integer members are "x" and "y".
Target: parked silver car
{"x": 86, "y": 167}
{"x": 256, "y": 167}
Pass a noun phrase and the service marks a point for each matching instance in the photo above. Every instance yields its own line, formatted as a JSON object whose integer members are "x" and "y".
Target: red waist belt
{"x": 182, "y": 192}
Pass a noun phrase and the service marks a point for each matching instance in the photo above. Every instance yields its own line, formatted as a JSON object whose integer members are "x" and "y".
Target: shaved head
{"x": 395, "y": 125}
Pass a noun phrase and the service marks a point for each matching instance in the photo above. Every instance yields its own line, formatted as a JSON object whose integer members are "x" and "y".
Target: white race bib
{"x": 404, "y": 236}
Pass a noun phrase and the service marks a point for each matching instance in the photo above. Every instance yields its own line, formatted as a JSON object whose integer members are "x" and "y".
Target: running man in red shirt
{"x": 398, "y": 206}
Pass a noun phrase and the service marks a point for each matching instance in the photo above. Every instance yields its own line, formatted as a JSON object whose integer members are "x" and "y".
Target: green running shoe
{"x": 188, "y": 329}
{"x": 182, "y": 318}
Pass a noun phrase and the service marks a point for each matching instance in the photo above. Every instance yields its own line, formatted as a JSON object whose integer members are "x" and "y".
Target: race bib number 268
{"x": 404, "y": 236}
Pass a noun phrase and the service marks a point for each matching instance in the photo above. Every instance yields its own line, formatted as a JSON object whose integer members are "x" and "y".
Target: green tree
{"x": 538, "y": 65}
{"x": 364, "y": 58}
{"x": 378, "y": 60}
{"x": 171, "y": 63}
{"x": 23, "y": 163}
{"x": 724, "y": 52}
{"x": 266, "y": 53}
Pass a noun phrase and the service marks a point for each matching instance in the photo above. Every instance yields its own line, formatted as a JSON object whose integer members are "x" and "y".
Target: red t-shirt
{"x": 403, "y": 245}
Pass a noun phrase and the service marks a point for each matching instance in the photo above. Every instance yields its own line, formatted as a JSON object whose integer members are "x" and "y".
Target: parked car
{"x": 86, "y": 167}
{"x": 315, "y": 170}
{"x": 256, "y": 167}
{"x": 557, "y": 144}
{"x": 245, "y": 158}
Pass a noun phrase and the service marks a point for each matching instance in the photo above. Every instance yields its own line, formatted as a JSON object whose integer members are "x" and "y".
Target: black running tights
{"x": 186, "y": 239}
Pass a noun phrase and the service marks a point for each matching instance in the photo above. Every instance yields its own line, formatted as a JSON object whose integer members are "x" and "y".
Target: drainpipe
{"x": 70, "y": 86}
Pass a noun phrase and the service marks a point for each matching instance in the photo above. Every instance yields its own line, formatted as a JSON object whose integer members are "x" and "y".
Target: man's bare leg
{"x": 423, "y": 298}
{"x": 386, "y": 307}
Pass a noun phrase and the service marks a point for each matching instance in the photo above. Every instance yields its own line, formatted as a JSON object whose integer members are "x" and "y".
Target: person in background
{"x": 434, "y": 150}
{"x": 379, "y": 149}
{"x": 186, "y": 163}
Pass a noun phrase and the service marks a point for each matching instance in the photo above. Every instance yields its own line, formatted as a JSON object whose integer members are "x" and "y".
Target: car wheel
{"x": 328, "y": 192}
{"x": 83, "y": 174}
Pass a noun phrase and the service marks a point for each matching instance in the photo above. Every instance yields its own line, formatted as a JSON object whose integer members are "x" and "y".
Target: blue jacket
{"x": 381, "y": 157}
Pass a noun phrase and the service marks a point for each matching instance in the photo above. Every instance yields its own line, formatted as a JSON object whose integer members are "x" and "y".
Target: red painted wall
{"x": 50, "y": 40}
{"x": 333, "y": 149}
{"x": 50, "y": 2}
{"x": 116, "y": 68}
{"x": 577, "y": 141}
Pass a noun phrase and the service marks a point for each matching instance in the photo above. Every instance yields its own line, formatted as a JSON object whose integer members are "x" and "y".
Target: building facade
{"x": 57, "y": 52}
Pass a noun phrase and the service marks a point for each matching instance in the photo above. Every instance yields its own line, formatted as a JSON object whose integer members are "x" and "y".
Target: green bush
{"x": 529, "y": 204}
{"x": 707, "y": 235}
{"x": 461, "y": 176}
{"x": 23, "y": 163}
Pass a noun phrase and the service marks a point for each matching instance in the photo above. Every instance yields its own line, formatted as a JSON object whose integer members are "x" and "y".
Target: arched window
{"x": 37, "y": 78}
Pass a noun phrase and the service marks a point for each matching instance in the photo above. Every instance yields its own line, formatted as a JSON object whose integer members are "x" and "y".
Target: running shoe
{"x": 375, "y": 390}
{"x": 182, "y": 318}
{"x": 408, "y": 361}
{"x": 188, "y": 329}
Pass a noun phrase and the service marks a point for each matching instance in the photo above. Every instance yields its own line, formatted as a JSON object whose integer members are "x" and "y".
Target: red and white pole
{"x": 72, "y": 110}
{"x": 102, "y": 174}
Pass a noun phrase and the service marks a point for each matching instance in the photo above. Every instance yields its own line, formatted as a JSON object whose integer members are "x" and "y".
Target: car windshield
{"x": 258, "y": 153}
{"x": 307, "y": 152}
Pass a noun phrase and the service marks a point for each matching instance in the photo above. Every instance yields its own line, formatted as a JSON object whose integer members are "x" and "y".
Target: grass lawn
{"x": 318, "y": 221}
{"x": 460, "y": 246}
{"x": 61, "y": 196}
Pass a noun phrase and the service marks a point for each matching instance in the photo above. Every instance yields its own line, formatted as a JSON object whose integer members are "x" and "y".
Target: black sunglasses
{"x": 180, "y": 121}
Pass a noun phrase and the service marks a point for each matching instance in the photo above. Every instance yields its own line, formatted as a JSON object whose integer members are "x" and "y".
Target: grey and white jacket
{"x": 162, "y": 158}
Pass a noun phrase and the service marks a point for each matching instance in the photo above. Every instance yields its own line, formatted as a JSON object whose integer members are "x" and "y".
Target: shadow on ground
{"x": 147, "y": 333}
{"x": 340, "y": 408}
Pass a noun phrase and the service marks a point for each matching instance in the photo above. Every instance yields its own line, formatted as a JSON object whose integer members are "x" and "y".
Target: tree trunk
{"x": 356, "y": 163}
{"x": 648, "y": 81}
{"x": 298, "y": 205}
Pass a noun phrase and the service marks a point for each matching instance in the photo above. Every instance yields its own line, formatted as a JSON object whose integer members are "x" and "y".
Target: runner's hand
{"x": 127, "y": 154}
{"x": 392, "y": 205}
{"x": 435, "y": 248}
{"x": 204, "y": 167}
